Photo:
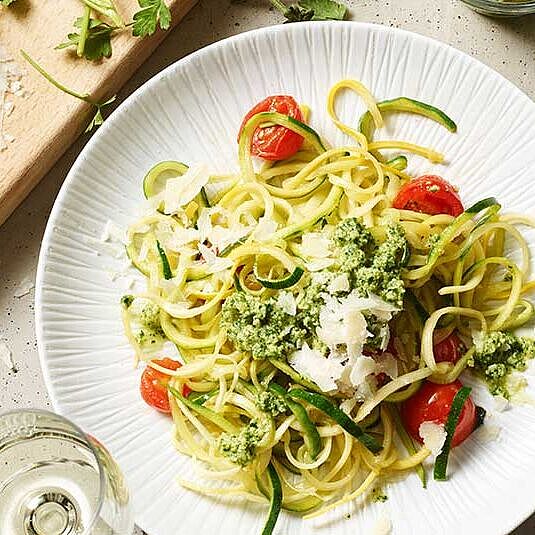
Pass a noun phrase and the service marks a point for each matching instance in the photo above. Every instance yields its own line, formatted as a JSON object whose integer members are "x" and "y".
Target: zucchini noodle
{"x": 265, "y": 232}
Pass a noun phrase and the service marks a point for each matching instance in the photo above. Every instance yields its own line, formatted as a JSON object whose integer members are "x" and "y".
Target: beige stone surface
{"x": 506, "y": 45}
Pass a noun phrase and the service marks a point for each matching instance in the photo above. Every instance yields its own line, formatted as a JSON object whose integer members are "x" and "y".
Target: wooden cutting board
{"x": 43, "y": 121}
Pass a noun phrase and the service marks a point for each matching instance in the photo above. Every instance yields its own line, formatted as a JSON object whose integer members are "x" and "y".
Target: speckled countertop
{"x": 506, "y": 45}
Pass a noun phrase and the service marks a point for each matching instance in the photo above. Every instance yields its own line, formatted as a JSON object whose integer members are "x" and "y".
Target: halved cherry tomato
{"x": 432, "y": 403}
{"x": 275, "y": 142}
{"x": 450, "y": 349}
{"x": 429, "y": 194}
{"x": 154, "y": 385}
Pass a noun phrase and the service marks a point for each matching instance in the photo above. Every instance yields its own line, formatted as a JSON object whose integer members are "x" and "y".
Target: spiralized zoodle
{"x": 321, "y": 450}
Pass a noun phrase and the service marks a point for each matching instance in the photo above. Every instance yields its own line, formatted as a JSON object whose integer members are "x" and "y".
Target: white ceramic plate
{"x": 191, "y": 112}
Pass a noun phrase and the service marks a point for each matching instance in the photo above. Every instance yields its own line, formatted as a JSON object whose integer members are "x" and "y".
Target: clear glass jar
{"x": 497, "y": 8}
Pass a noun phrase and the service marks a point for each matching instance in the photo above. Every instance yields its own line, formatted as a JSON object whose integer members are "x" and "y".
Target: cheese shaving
{"x": 434, "y": 436}
{"x": 6, "y": 357}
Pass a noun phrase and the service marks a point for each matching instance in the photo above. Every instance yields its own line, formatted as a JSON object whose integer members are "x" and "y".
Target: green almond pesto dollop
{"x": 499, "y": 354}
{"x": 147, "y": 316}
{"x": 262, "y": 328}
{"x": 271, "y": 403}
{"x": 240, "y": 447}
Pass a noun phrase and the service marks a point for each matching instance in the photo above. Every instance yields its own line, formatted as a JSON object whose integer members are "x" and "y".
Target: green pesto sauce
{"x": 378, "y": 496}
{"x": 240, "y": 447}
{"x": 271, "y": 403}
{"x": 498, "y": 355}
{"x": 147, "y": 315}
{"x": 261, "y": 327}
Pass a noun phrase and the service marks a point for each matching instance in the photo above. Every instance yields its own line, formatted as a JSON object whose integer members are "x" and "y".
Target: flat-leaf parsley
{"x": 97, "y": 43}
{"x": 305, "y": 10}
{"x": 146, "y": 20}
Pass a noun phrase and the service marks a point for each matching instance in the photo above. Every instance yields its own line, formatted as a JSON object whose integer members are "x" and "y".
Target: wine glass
{"x": 57, "y": 480}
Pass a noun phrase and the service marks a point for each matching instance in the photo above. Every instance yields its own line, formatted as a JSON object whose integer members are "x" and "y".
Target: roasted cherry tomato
{"x": 450, "y": 349}
{"x": 275, "y": 142}
{"x": 429, "y": 194}
{"x": 154, "y": 385}
{"x": 432, "y": 403}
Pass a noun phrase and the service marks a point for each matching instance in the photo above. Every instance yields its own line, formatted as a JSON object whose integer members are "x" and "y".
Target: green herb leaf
{"x": 107, "y": 9}
{"x": 325, "y": 9}
{"x": 146, "y": 20}
{"x": 6, "y": 2}
{"x": 311, "y": 10}
{"x": 98, "y": 39}
{"x": 98, "y": 119}
{"x": 297, "y": 13}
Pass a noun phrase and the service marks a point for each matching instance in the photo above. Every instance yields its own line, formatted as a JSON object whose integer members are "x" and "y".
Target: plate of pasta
{"x": 289, "y": 285}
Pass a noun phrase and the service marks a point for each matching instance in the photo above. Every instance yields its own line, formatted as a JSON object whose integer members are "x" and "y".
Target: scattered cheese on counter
{"x": 24, "y": 287}
{"x": 6, "y": 357}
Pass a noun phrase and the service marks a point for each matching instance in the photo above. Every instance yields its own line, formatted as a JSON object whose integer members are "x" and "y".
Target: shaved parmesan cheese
{"x": 500, "y": 403}
{"x": 10, "y": 84}
{"x": 25, "y": 286}
{"x": 488, "y": 433}
{"x": 383, "y": 526}
{"x": 182, "y": 190}
{"x": 264, "y": 230}
{"x": 319, "y": 264}
{"x": 214, "y": 263}
{"x": 363, "y": 367}
{"x": 373, "y": 304}
{"x": 315, "y": 245}
{"x": 113, "y": 233}
{"x": 214, "y": 190}
{"x": 387, "y": 363}
{"x": 339, "y": 284}
{"x": 219, "y": 236}
{"x": 286, "y": 301}
{"x": 341, "y": 323}
{"x": 181, "y": 237}
{"x": 313, "y": 365}
{"x": 433, "y": 435}
{"x": 6, "y": 357}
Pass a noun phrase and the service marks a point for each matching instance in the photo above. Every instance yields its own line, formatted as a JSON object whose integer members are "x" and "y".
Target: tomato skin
{"x": 153, "y": 385}
{"x": 432, "y": 403}
{"x": 275, "y": 142}
{"x": 429, "y": 194}
{"x": 449, "y": 350}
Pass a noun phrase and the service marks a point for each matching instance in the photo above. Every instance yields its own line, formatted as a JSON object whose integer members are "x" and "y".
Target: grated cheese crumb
{"x": 433, "y": 435}
{"x": 383, "y": 526}
{"x": 6, "y": 357}
{"x": 24, "y": 287}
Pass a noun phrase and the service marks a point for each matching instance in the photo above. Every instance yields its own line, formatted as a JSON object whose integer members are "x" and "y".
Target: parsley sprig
{"x": 97, "y": 119}
{"x": 152, "y": 13}
{"x": 93, "y": 41}
{"x": 6, "y": 2}
{"x": 305, "y": 10}
{"x": 107, "y": 9}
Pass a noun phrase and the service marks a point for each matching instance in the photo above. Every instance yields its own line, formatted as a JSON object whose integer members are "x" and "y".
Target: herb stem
{"x": 84, "y": 29}
{"x": 106, "y": 8}
{"x": 81, "y": 96}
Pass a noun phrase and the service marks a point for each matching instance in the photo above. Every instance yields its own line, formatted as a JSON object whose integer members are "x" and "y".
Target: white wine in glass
{"x": 57, "y": 480}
